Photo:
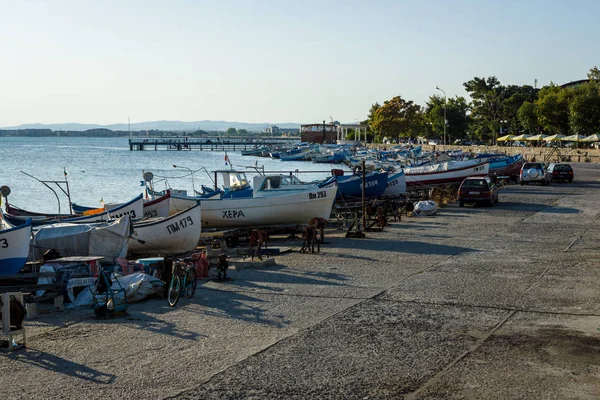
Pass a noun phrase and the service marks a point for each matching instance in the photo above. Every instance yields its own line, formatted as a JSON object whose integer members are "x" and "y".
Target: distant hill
{"x": 205, "y": 125}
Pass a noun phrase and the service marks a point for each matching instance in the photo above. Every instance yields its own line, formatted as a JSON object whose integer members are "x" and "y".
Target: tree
{"x": 528, "y": 118}
{"x": 397, "y": 117}
{"x": 456, "y": 113}
{"x": 594, "y": 74}
{"x": 231, "y": 131}
{"x": 513, "y": 98}
{"x": 552, "y": 109}
{"x": 487, "y": 97}
{"x": 242, "y": 131}
{"x": 584, "y": 109}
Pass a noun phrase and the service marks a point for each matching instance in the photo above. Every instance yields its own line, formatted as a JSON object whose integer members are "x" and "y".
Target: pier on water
{"x": 208, "y": 143}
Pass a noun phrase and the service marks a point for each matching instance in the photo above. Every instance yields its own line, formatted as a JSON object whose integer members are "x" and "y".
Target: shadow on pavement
{"x": 60, "y": 365}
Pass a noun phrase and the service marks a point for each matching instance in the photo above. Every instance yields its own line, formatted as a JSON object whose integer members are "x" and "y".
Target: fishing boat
{"x": 295, "y": 157}
{"x": 445, "y": 172}
{"x": 507, "y": 166}
{"x": 14, "y": 246}
{"x": 350, "y": 186}
{"x": 176, "y": 234}
{"x": 107, "y": 239}
{"x": 296, "y": 208}
{"x": 179, "y": 200}
{"x": 396, "y": 183}
{"x": 133, "y": 208}
{"x": 156, "y": 207}
{"x": 334, "y": 158}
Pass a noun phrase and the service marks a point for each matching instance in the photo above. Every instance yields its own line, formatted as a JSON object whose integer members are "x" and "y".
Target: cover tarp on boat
{"x": 106, "y": 239}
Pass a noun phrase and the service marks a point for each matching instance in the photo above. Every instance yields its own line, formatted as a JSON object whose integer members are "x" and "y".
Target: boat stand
{"x": 6, "y": 333}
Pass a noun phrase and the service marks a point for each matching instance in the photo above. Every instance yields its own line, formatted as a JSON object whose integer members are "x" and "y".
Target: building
{"x": 319, "y": 133}
{"x": 272, "y": 130}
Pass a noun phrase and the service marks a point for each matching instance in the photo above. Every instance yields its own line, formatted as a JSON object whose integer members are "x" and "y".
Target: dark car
{"x": 477, "y": 189}
{"x": 560, "y": 172}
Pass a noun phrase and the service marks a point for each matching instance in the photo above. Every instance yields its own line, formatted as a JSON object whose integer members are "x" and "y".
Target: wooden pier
{"x": 208, "y": 143}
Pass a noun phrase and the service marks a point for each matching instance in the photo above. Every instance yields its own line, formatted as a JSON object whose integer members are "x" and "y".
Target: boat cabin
{"x": 266, "y": 185}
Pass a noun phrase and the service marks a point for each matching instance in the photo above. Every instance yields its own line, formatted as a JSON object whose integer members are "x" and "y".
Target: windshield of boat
{"x": 235, "y": 180}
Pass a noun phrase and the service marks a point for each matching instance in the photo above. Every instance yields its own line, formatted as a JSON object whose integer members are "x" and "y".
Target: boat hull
{"x": 396, "y": 184}
{"x": 447, "y": 176}
{"x": 351, "y": 186}
{"x": 14, "y": 247}
{"x": 295, "y": 208}
{"x": 176, "y": 234}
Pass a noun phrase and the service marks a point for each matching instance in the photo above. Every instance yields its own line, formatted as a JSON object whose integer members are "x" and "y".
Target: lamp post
{"x": 445, "y": 121}
{"x": 191, "y": 173}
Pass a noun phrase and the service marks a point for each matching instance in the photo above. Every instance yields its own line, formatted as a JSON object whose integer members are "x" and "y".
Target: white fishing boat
{"x": 445, "y": 172}
{"x": 153, "y": 208}
{"x": 106, "y": 239}
{"x": 14, "y": 246}
{"x": 176, "y": 234}
{"x": 133, "y": 208}
{"x": 296, "y": 208}
{"x": 396, "y": 183}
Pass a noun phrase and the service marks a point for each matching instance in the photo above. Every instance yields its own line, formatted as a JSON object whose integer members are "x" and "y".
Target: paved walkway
{"x": 477, "y": 302}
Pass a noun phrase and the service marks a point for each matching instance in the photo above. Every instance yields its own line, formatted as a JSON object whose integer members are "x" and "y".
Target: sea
{"x": 105, "y": 170}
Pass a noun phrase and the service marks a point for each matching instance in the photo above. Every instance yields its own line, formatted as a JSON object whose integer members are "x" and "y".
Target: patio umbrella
{"x": 554, "y": 137}
{"x": 520, "y": 137}
{"x": 592, "y": 138}
{"x": 573, "y": 138}
{"x": 505, "y": 138}
{"x": 541, "y": 136}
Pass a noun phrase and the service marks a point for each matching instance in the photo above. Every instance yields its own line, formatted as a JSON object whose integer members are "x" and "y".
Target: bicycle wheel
{"x": 174, "y": 288}
{"x": 190, "y": 283}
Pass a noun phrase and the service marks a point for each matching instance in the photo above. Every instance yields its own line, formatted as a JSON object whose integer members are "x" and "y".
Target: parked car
{"x": 433, "y": 142}
{"x": 534, "y": 172}
{"x": 477, "y": 189}
{"x": 560, "y": 172}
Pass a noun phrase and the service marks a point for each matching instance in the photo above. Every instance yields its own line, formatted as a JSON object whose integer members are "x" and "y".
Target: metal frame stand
{"x": 6, "y": 332}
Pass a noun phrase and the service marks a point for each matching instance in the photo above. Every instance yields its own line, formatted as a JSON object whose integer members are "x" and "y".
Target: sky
{"x": 274, "y": 61}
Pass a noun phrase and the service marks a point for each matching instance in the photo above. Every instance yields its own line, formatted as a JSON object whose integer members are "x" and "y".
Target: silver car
{"x": 534, "y": 172}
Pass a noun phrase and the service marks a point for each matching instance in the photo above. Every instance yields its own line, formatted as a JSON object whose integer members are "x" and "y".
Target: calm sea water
{"x": 106, "y": 169}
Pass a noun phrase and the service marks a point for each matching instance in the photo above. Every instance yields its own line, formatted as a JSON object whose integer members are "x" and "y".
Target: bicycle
{"x": 183, "y": 270}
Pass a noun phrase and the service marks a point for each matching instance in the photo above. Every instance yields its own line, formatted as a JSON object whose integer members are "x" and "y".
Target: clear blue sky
{"x": 274, "y": 60}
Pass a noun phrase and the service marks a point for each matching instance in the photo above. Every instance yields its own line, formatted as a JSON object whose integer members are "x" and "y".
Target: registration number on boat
{"x": 3, "y": 243}
{"x": 318, "y": 195}
{"x": 370, "y": 184}
{"x": 392, "y": 183}
{"x": 181, "y": 224}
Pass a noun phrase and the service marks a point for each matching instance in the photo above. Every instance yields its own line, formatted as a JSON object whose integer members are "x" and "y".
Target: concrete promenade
{"x": 495, "y": 302}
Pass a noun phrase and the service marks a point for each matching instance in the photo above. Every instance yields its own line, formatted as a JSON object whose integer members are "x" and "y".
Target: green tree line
{"x": 493, "y": 109}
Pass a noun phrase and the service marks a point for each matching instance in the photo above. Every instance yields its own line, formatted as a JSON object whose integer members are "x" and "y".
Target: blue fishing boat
{"x": 350, "y": 186}
{"x": 14, "y": 246}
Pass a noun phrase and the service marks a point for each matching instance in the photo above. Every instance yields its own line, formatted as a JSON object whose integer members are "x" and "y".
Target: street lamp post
{"x": 445, "y": 120}
{"x": 191, "y": 173}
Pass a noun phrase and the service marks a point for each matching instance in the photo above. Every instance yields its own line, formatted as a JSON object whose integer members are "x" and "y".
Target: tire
{"x": 522, "y": 183}
{"x": 570, "y": 180}
{"x": 461, "y": 203}
{"x": 190, "y": 283}
{"x": 174, "y": 290}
